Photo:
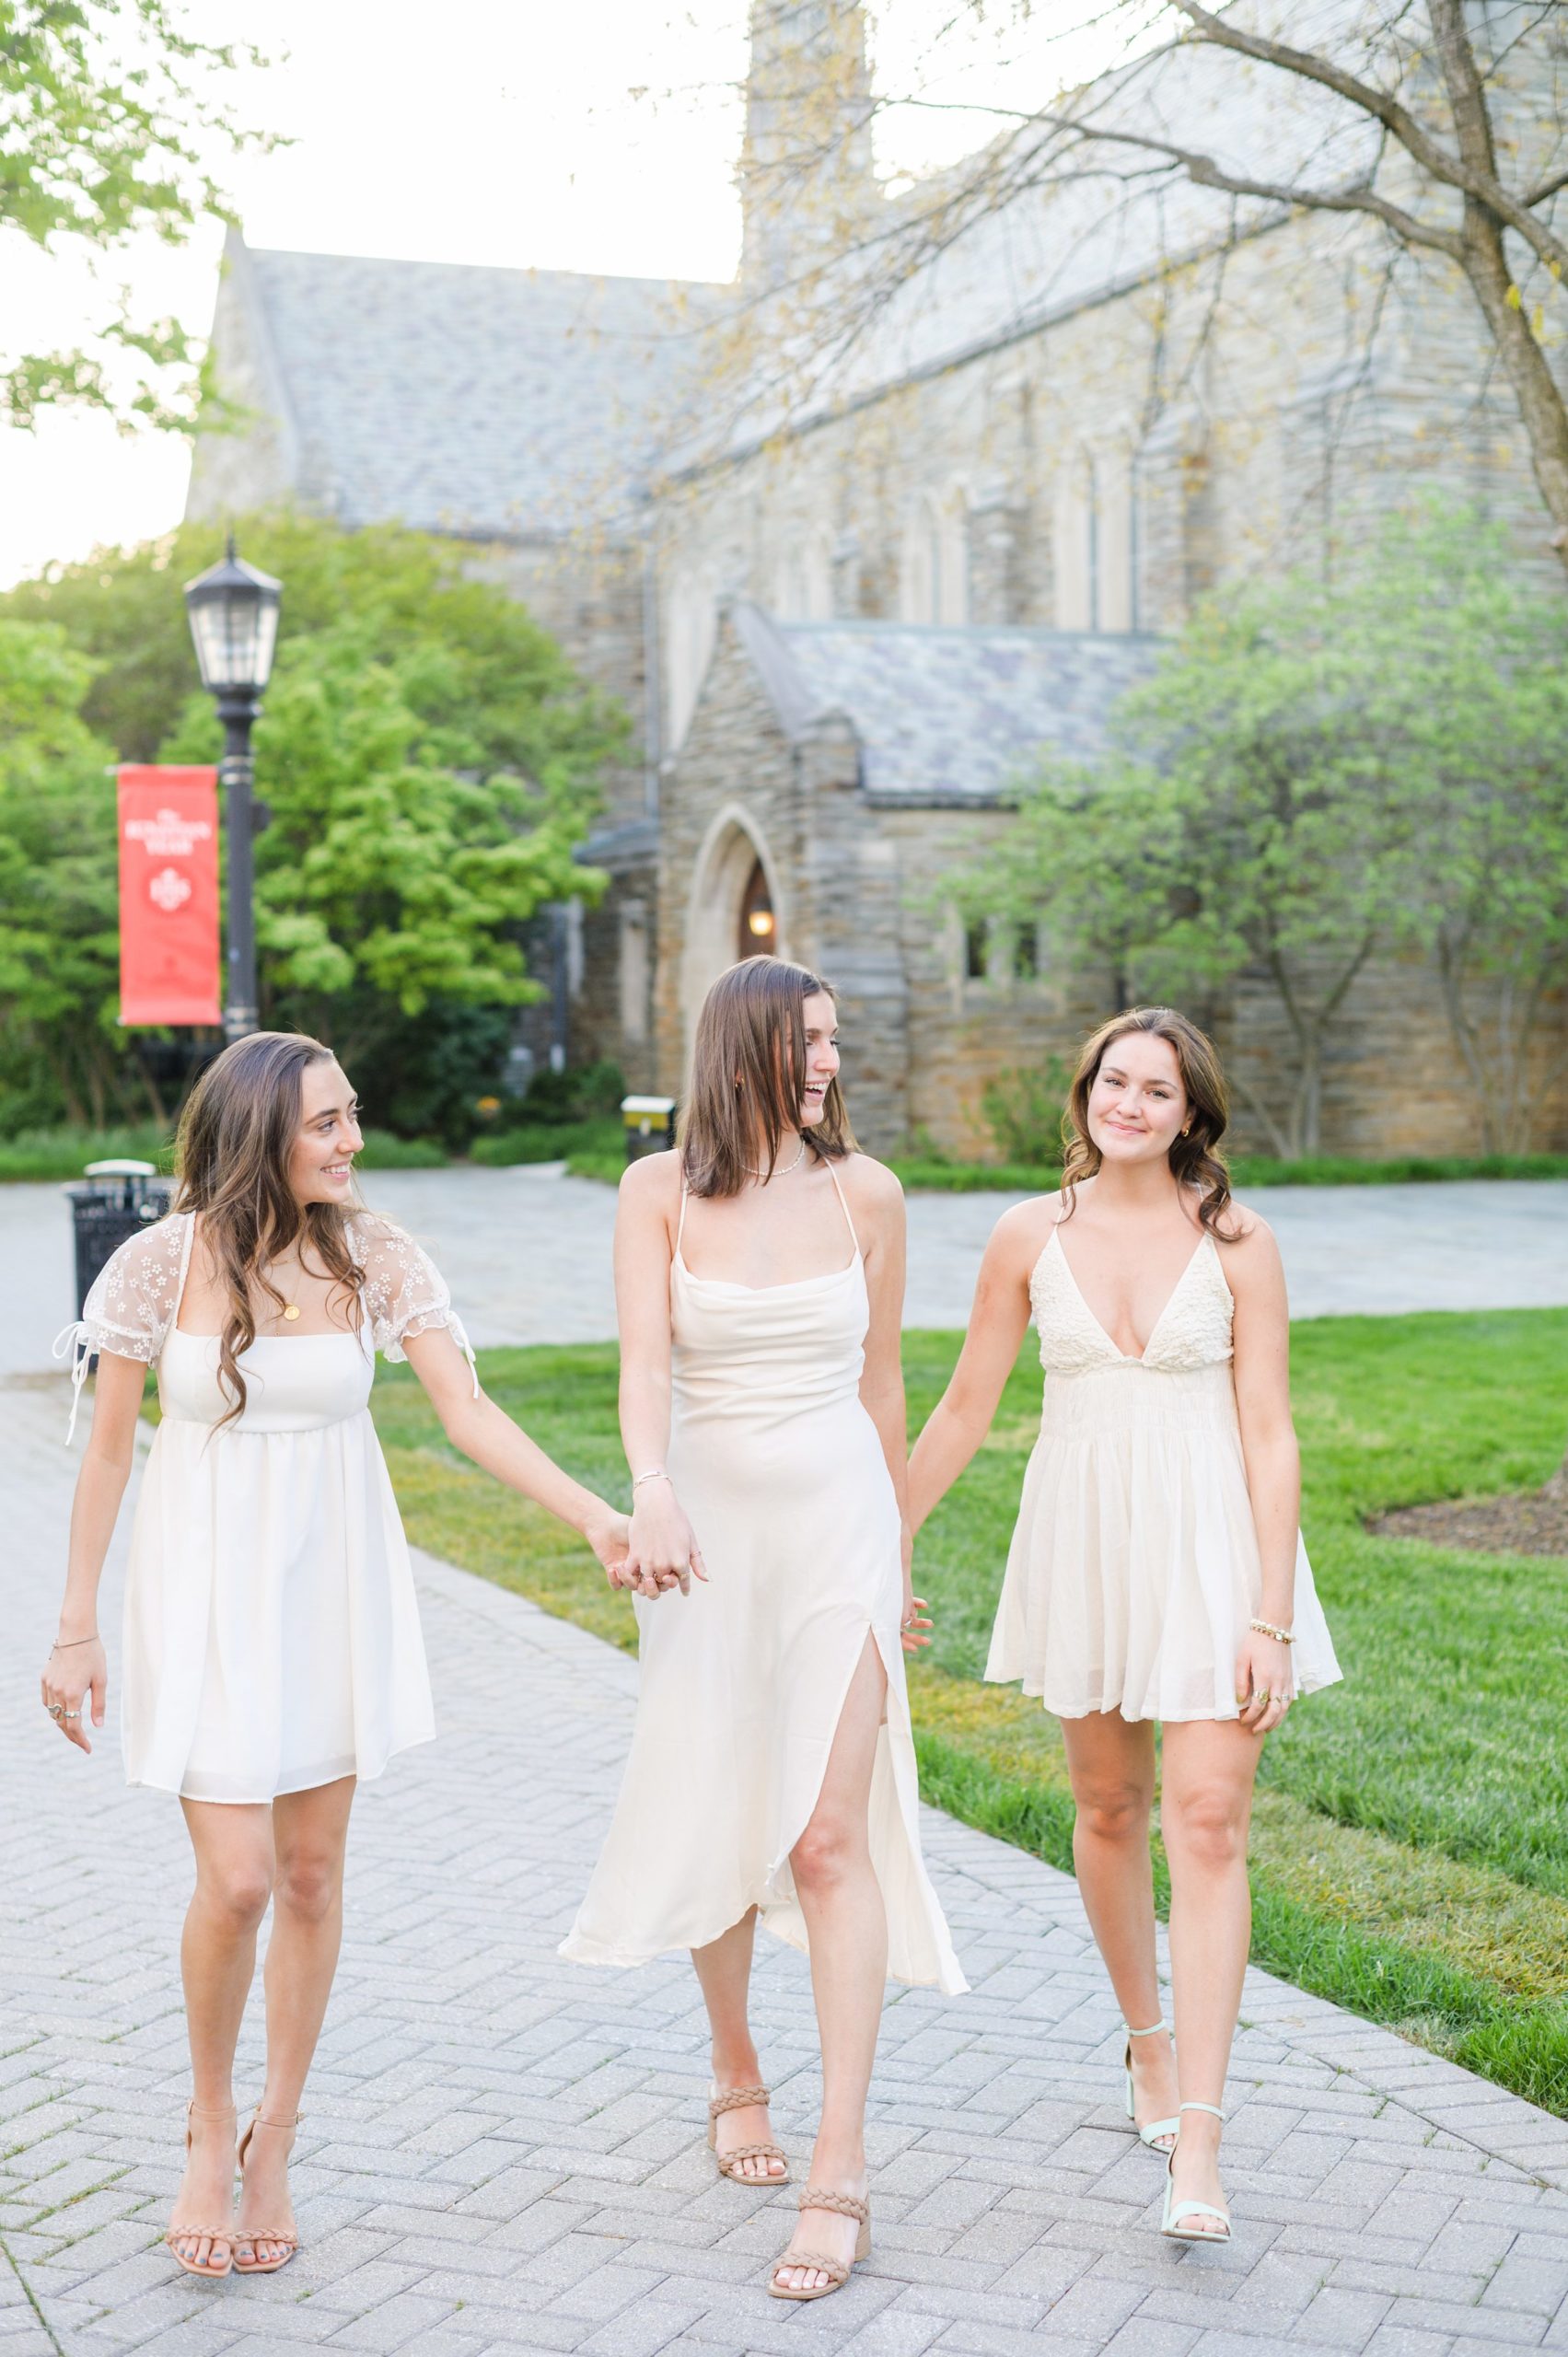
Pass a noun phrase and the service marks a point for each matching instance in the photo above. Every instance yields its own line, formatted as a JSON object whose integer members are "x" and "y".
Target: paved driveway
{"x": 504, "y": 2154}
{"x": 526, "y": 1251}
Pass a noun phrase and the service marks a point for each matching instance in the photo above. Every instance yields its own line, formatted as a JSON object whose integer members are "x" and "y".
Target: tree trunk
{"x": 1535, "y": 389}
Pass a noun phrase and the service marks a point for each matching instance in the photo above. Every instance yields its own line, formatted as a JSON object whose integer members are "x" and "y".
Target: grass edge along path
{"x": 1455, "y": 1955}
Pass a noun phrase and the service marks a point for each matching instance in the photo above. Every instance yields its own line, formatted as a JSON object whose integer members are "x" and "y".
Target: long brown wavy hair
{"x": 231, "y": 1159}
{"x": 1196, "y": 1159}
{"x": 748, "y": 1068}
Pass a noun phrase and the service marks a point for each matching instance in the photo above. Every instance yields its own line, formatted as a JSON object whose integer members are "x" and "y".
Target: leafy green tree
{"x": 59, "y": 940}
{"x": 430, "y": 759}
{"x": 1322, "y": 772}
{"x": 107, "y": 124}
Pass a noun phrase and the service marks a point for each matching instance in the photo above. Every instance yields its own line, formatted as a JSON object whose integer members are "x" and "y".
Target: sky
{"x": 598, "y": 135}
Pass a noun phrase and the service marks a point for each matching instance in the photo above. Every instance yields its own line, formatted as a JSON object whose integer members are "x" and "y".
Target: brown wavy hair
{"x": 231, "y": 1159}
{"x": 1196, "y": 1159}
{"x": 747, "y": 1070}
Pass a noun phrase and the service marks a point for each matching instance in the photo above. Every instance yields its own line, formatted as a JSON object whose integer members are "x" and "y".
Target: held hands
{"x": 664, "y": 1553}
{"x": 70, "y": 1674}
{"x": 1263, "y": 1681}
{"x": 915, "y": 1624}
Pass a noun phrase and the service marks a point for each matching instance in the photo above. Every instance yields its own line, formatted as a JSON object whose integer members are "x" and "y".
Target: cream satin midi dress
{"x": 1135, "y": 1568}
{"x": 272, "y": 1638}
{"x": 781, "y": 1472}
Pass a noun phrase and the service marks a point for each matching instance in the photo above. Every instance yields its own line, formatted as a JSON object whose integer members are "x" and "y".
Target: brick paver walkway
{"x": 505, "y": 2152}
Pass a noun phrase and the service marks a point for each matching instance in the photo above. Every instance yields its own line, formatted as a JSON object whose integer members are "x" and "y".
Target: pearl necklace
{"x": 765, "y": 1176}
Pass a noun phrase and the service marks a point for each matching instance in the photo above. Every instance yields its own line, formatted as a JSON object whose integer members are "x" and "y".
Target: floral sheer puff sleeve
{"x": 131, "y": 1305}
{"x": 405, "y": 1294}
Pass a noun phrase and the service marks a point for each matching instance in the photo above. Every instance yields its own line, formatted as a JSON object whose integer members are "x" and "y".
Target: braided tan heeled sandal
{"x": 739, "y": 2099}
{"x": 211, "y": 2235}
{"x": 847, "y": 2205}
{"x": 248, "y": 2236}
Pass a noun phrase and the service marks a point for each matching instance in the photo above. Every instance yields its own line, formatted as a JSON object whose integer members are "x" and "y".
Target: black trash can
{"x": 118, "y": 1201}
{"x": 650, "y": 1125}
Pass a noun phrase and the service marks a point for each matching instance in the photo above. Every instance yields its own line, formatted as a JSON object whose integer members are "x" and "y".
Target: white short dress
{"x": 777, "y": 1462}
{"x": 1135, "y": 1569}
{"x": 272, "y": 1638}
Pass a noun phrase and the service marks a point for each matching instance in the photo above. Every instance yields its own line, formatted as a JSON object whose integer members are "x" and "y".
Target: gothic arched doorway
{"x": 732, "y": 910}
{"x": 759, "y": 932}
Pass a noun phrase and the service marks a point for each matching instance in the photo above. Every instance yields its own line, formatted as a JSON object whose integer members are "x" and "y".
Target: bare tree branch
{"x": 1460, "y": 171}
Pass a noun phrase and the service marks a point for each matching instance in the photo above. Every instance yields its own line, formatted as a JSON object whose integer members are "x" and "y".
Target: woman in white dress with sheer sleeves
{"x": 272, "y": 1642}
{"x": 1156, "y": 1573}
{"x": 760, "y": 1277}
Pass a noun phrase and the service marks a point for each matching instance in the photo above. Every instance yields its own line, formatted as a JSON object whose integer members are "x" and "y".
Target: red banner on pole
{"x": 169, "y": 896}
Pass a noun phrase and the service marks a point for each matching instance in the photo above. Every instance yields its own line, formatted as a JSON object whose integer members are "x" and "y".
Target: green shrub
{"x": 1023, "y": 1113}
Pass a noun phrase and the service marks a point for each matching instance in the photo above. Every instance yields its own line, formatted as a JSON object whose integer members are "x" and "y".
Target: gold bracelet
{"x": 1267, "y": 1629}
{"x": 63, "y": 1644}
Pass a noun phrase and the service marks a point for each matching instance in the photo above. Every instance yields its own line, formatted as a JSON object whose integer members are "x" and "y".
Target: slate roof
{"x": 1036, "y": 248}
{"x": 471, "y": 401}
{"x": 944, "y": 713}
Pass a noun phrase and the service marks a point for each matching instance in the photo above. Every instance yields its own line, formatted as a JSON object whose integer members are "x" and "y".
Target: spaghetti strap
{"x": 680, "y": 1222}
{"x": 843, "y": 1206}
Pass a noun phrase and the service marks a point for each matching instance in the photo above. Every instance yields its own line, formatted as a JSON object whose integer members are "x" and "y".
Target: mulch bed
{"x": 1534, "y": 1524}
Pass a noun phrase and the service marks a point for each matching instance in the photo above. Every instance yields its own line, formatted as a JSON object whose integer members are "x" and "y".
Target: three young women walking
{"x": 760, "y": 1275}
{"x": 1156, "y": 1574}
{"x": 273, "y": 1656}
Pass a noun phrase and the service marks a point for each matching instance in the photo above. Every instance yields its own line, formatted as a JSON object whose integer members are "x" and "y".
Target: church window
{"x": 1074, "y": 537}
{"x": 977, "y": 951}
{"x": 759, "y": 932}
{"x": 1026, "y": 953}
{"x": 934, "y": 574}
{"x": 692, "y": 624}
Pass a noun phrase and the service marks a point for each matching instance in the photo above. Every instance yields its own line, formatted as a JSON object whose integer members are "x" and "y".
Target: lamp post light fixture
{"x": 233, "y": 610}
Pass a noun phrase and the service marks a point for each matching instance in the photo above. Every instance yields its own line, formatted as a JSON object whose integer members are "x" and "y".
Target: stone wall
{"x": 859, "y": 892}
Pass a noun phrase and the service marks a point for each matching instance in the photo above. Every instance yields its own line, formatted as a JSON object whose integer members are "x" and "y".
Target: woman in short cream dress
{"x": 272, "y": 1650}
{"x": 1156, "y": 1573}
{"x": 760, "y": 1277}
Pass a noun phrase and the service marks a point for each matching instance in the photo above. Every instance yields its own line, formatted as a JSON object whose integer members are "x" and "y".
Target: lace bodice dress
{"x": 272, "y": 1638}
{"x": 1134, "y": 1570}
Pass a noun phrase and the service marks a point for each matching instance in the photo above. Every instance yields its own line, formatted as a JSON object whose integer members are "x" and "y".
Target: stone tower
{"x": 806, "y": 170}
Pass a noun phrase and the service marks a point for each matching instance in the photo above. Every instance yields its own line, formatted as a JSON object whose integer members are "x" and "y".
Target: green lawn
{"x": 1410, "y": 1853}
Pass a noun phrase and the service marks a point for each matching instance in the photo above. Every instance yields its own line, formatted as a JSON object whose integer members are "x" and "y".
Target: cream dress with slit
{"x": 780, "y": 1469}
{"x": 272, "y": 1638}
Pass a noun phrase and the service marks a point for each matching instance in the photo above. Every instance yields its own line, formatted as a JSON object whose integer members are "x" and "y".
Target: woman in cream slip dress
{"x": 774, "y": 1605}
{"x": 1156, "y": 1573}
{"x": 273, "y": 1656}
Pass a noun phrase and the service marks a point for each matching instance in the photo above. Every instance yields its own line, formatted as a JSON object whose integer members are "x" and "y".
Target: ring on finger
{"x": 55, "y": 1709}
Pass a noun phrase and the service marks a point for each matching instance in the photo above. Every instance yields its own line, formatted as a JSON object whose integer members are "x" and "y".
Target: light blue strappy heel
{"x": 1157, "y": 2128}
{"x": 1175, "y": 2211}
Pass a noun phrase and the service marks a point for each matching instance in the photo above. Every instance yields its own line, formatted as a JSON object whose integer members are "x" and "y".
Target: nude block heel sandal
{"x": 848, "y": 2205}
{"x": 1157, "y": 2128}
{"x": 209, "y": 2234}
{"x": 1176, "y": 2210}
{"x": 739, "y": 2099}
{"x": 251, "y": 2236}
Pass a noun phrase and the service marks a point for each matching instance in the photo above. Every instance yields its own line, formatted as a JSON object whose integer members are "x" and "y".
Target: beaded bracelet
{"x": 1267, "y": 1629}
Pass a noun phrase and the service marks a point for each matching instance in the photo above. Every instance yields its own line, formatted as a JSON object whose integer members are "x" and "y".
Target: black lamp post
{"x": 234, "y": 621}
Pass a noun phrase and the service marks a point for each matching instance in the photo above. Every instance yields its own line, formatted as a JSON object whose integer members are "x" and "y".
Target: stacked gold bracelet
{"x": 1267, "y": 1629}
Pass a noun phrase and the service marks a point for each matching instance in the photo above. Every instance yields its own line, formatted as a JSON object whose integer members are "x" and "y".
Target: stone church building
{"x": 847, "y": 593}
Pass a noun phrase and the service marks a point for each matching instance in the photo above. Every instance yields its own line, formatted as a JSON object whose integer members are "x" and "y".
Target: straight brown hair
{"x": 231, "y": 1159}
{"x": 748, "y": 1068}
{"x": 1196, "y": 1159}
